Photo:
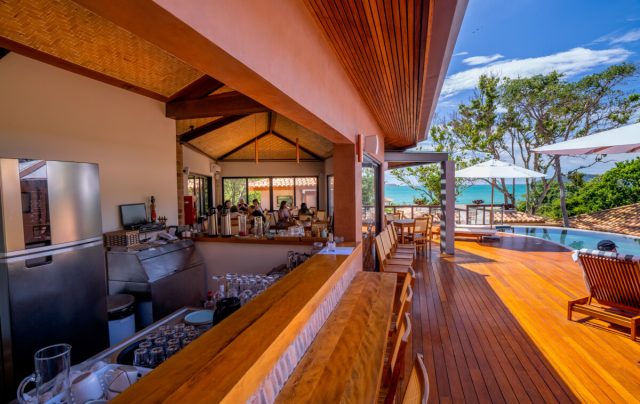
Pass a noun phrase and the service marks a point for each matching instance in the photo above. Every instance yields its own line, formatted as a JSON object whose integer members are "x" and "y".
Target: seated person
{"x": 284, "y": 215}
{"x": 242, "y": 206}
{"x": 257, "y": 206}
{"x": 304, "y": 210}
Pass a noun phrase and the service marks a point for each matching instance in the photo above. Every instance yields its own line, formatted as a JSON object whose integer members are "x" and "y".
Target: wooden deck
{"x": 491, "y": 323}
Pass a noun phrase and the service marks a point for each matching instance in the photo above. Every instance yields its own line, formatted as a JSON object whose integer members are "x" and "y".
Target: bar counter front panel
{"x": 249, "y": 355}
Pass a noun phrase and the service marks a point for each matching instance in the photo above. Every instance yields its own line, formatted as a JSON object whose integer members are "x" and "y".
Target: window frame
{"x": 271, "y": 178}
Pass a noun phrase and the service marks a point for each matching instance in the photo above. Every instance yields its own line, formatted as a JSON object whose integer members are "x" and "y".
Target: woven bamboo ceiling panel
{"x": 306, "y": 138}
{"x": 63, "y": 29}
{"x": 270, "y": 147}
{"x": 227, "y": 138}
{"x": 382, "y": 46}
{"x": 220, "y": 142}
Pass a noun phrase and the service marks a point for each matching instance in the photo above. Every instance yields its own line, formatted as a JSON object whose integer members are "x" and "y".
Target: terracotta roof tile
{"x": 623, "y": 219}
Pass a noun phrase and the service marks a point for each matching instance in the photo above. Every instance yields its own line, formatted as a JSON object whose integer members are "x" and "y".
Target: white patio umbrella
{"x": 625, "y": 139}
{"x": 496, "y": 169}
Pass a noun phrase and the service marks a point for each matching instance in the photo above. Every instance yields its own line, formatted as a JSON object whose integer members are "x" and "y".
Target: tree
{"x": 558, "y": 110}
{"x": 617, "y": 187}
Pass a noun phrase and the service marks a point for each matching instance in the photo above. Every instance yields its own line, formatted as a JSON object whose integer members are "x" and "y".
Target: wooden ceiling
{"x": 235, "y": 139}
{"x": 382, "y": 46}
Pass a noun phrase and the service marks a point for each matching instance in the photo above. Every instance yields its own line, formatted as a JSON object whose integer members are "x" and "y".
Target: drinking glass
{"x": 51, "y": 375}
{"x": 172, "y": 349}
{"x": 186, "y": 342}
{"x": 156, "y": 356}
{"x": 146, "y": 345}
{"x": 160, "y": 342}
{"x": 140, "y": 357}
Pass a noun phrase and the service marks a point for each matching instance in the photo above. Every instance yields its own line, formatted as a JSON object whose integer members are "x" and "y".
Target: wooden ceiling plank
{"x": 324, "y": 13}
{"x": 231, "y": 103}
{"x": 243, "y": 145}
{"x": 362, "y": 34}
{"x": 200, "y": 88}
{"x": 365, "y": 77}
{"x": 197, "y": 150}
{"x": 209, "y": 127}
{"x": 74, "y": 68}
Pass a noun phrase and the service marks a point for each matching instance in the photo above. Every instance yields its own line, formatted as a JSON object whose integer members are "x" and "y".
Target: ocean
{"x": 403, "y": 195}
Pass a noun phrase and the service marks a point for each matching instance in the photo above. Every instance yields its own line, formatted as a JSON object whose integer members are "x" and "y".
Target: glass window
{"x": 306, "y": 191}
{"x": 200, "y": 187}
{"x": 234, "y": 189}
{"x": 330, "y": 195}
{"x": 260, "y": 188}
{"x": 282, "y": 189}
{"x": 370, "y": 194}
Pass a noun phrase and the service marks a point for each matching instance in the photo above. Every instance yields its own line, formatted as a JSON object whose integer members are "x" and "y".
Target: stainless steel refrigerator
{"x": 52, "y": 266}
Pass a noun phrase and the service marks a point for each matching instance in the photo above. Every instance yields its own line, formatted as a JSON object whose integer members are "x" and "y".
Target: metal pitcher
{"x": 51, "y": 375}
{"x": 225, "y": 224}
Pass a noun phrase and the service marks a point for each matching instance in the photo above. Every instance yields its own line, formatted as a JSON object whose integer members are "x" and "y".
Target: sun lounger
{"x": 613, "y": 283}
{"x": 471, "y": 231}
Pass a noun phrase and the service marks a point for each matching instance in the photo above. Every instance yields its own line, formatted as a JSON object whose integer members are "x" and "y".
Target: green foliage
{"x": 368, "y": 187}
{"x": 617, "y": 187}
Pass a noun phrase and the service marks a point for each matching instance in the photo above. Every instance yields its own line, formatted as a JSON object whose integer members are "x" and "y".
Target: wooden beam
{"x": 3, "y": 52}
{"x": 272, "y": 121}
{"x": 63, "y": 64}
{"x": 200, "y": 88}
{"x": 198, "y": 150}
{"x": 232, "y": 103}
{"x": 245, "y": 144}
{"x": 209, "y": 127}
{"x": 292, "y": 143}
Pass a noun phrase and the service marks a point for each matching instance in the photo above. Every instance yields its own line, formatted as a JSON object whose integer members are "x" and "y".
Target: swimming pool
{"x": 577, "y": 239}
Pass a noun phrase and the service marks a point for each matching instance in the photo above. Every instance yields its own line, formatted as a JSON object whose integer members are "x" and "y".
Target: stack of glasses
{"x": 245, "y": 287}
{"x": 157, "y": 347}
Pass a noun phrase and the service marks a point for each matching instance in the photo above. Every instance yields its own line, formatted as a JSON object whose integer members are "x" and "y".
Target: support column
{"x": 180, "y": 180}
{"x": 347, "y": 202}
{"x": 447, "y": 202}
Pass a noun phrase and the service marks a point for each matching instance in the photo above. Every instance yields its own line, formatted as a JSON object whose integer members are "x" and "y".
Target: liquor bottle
{"x": 210, "y": 304}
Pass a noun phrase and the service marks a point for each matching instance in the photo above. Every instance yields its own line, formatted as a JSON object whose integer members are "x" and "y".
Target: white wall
{"x": 49, "y": 113}
{"x": 279, "y": 169}
{"x": 197, "y": 164}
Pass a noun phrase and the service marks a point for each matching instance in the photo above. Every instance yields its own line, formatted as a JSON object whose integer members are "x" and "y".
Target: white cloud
{"x": 481, "y": 60}
{"x": 569, "y": 63}
{"x": 460, "y": 53}
{"x": 630, "y": 36}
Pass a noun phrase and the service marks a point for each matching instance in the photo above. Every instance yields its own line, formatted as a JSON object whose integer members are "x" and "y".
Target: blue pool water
{"x": 577, "y": 239}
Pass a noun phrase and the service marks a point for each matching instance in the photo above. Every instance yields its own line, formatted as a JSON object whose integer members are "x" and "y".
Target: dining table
{"x": 402, "y": 224}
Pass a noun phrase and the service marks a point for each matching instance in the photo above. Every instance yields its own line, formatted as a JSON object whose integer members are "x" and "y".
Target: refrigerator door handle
{"x": 38, "y": 262}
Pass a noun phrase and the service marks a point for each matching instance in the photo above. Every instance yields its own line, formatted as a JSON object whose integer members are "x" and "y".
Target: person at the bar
{"x": 284, "y": 214}
{"x": 304, "y": 209}
{"x": 242, "y": 205}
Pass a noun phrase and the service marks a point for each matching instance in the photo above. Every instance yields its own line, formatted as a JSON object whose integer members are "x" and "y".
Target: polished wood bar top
{"x": 252, "y": 240}
{"x": 228, "y": 362}
{"x": 344, "y": 364}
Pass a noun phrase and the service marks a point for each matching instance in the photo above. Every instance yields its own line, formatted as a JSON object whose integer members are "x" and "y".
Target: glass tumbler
{"x": 140, "y": 357}
{"x": 51, "y": 376}
{"x": 156, "y": 357}
{"x": 172, "y": 349}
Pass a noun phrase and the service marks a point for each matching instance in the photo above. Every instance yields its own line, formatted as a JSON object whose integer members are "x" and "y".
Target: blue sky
{"x": 528, "y": 37}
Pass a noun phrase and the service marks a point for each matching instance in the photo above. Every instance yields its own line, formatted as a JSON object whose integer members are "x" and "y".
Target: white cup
{"x": 86, "y": 387}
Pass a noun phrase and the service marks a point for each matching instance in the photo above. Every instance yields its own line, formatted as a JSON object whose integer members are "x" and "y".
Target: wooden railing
{"x": 470, "y": 214}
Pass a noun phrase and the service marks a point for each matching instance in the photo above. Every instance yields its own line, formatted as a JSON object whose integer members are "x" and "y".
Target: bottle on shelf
{"x": 210, "y": 304}
{"x": 331, "y": 244}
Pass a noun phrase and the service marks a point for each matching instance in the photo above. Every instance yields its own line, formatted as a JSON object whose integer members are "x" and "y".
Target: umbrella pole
{"x": 493, "y": 183}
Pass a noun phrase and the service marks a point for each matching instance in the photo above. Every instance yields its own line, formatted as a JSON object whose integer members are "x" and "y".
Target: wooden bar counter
{"x": 345, "y": 362}
{"x": 257, "y": 347}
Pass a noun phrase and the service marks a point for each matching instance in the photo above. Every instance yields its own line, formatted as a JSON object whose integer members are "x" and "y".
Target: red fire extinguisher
{"x": 189, "y": 210}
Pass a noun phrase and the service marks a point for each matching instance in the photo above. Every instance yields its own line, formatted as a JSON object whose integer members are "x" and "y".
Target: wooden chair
{"x": 396, "y": 256}
{"x": 403, "y": 304}
{"x": 389, "y": 265}
{"x": 417, "y": 391}
{"x": 422, "y": 233}
{"x": 395, "y": 362}
{"x": 613, "y": 283}
{"x": 394, "y": 241}
{"x": 321, "y": 215}
{"x": 304, "y": 217}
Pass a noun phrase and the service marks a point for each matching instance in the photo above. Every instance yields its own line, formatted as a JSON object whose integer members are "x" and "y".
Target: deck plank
{"x": 491, "y": 323}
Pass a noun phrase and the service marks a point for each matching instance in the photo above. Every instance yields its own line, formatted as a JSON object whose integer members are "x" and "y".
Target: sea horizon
{"x": 404, "y": 195}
